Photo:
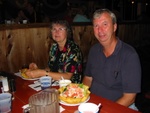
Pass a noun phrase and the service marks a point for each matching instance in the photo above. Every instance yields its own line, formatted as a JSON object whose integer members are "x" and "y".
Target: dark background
{"x": 46, "y": 10}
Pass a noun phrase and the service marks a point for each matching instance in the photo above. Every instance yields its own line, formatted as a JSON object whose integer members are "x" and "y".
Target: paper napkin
{"x": 27, "y": 105}
{"x": 36, "y": 86}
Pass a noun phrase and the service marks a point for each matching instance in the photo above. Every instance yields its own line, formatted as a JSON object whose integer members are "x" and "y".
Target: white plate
{"x": 64, "y": 103}
{"x": 29, "y": 78}
{"x": 19, "y": 74}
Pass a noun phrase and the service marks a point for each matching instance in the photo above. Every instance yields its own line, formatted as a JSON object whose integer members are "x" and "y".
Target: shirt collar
{"x": 117, "y": 48}
{"x": 65, "y": 47}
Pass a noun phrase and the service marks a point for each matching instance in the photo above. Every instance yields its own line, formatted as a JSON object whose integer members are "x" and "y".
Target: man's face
{"x": 104, "y": 29}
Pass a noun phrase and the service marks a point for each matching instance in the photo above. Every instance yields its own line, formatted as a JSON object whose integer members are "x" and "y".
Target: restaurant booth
{"x": 21, "y": 44}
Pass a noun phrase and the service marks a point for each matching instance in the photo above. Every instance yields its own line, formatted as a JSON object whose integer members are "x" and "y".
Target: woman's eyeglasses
{"x": 59, "y": 29}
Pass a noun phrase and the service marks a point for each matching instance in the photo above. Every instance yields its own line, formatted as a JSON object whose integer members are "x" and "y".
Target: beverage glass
{"x": 5, "y": 102}
{"x": 45, "y": 101}
{"x": 8, "y": 21}
{"x": 24, "y": 21}
{"x": 46, "y": 82}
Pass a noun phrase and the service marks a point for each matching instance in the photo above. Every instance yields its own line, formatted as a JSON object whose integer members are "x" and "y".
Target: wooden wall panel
{"x": 23, "y": 45}
{"x": 84, "y": 37}
{"x": 3, "y": 51}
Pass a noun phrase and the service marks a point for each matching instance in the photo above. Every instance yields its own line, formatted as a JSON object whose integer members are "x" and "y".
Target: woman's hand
{"x": 36, "y": 73}
{"x": 33, "y": 66}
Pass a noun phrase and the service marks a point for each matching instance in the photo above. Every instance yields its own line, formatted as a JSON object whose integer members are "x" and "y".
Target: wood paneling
{"x": 31, "y": 43}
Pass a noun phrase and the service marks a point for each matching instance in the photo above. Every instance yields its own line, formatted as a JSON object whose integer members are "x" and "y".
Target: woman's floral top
{"x": 68, "y": 60}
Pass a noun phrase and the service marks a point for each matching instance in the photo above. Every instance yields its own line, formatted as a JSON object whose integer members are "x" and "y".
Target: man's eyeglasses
{"x": 59, "y": 29}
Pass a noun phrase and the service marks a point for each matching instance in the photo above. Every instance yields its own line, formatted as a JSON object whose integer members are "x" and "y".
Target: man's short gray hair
{"x": 99, "y": 12}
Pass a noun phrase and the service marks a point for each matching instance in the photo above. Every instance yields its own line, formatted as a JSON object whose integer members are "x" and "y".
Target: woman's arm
{"x": 36, "y": 73}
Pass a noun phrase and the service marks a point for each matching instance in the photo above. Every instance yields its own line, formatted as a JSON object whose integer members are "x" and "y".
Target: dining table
{"x": 23, "y": 92}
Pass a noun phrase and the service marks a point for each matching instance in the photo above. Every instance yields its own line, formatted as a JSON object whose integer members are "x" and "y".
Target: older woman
{"x": 65, "y": 58}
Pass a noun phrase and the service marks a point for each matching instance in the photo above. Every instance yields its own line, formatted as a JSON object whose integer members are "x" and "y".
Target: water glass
{"x": 46, "y": 82}
{"x": 5, "y": 102}
{"x": 44, "y": 102}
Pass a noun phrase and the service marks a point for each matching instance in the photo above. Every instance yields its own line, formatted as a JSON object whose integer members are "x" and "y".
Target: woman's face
{"x": 59, "y": 33}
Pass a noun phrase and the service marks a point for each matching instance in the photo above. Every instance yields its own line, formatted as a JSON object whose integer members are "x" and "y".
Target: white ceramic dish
{"x": 64, "y": 82}
{"x": 29, "y": 78}
{"x": 19, "y": 74}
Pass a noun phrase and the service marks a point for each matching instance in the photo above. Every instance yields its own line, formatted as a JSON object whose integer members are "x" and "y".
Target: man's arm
{"x": 127, "y": 99}
{"x": 87, "y": 80}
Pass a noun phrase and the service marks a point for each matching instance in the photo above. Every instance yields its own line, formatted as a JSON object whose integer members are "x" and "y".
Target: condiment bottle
{"x": 5, "y": 84}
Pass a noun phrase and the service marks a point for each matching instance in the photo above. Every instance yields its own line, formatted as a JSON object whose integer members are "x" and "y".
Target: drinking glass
{"x": 45, "y": 101}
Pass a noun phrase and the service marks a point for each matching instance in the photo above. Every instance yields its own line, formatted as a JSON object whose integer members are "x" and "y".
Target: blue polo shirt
{"x": 114, "y": 75}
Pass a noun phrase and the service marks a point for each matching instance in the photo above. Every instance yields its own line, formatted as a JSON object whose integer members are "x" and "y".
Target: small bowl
{"x": 64, "y": 82}
{"x": 88, "y": 108}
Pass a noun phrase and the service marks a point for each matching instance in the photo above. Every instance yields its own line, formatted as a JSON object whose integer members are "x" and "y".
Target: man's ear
{"x": 115, "y": 27}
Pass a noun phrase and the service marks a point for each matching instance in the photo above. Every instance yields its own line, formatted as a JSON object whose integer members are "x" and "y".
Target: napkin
{"x": 55, "y": 83}
{"x": 61, "y": 108}
{"x": 35, "y": 86}
{"x": 18, "y": 74}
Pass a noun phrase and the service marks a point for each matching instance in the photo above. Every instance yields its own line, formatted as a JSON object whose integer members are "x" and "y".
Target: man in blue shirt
{"x": 113, "y": 69}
